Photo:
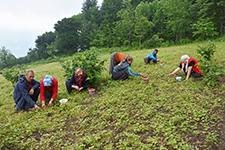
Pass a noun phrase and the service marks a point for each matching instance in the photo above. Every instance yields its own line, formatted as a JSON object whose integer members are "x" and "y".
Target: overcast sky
{"x": 21, "y": 21}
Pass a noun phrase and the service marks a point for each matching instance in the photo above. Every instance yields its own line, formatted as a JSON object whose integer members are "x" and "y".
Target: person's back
{"x": 115, "y": 59}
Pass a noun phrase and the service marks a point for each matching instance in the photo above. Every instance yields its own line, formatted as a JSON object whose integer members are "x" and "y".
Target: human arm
{"x": 175, "y": 72}
{"x": 188, "y": 72}
{"x": 25, "y": 95}
{"x": 134, "y": 74}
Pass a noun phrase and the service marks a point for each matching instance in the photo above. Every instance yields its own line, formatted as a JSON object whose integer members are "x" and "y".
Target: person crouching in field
{"x": 115, "y": 59}
{"x": 26, "y": 92}
{"x": 48, "y": 90}
{"x": 123, "y": 70}
{"x": 189, "y": 66}
{"x": 152, "y": 57}
{"x": 78, "y": 81}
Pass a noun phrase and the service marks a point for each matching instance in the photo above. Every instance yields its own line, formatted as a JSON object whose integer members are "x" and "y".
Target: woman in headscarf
{"x": 123, "y": 70}
{"x": 189, "y": 66}
{"x": 78, "y": 81}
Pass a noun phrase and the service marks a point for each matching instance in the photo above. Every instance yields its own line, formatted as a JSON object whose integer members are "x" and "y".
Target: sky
{"x": 21, "y": 21}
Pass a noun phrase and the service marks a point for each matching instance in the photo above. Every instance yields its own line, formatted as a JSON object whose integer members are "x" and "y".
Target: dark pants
{"x": 147, "y": 60}
{"x": 121, "y": 75}
{"x": 68, "y": 87}
{"x": 195, "y": 75}
{"x": 23, "y": 105}
{"x": 48, "y": 96}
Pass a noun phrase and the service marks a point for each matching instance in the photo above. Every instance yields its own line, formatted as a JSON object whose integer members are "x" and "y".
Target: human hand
{"x": 31, "y": 92}
{"x": 81, "y": 88}
{"x": 36, "y": 107}
{"x": 43, "y": 105}
{"x": 50, "y": 103}
{"x": 172, "y": 74}
{"x": 75, "y": 87}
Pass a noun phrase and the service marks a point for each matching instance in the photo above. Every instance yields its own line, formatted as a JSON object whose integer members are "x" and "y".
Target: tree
{"x": 7, "y": 59}
{"x": 43, "y": 42}
{"x": 68, "y": 32}
{"x": 90, "y": 22}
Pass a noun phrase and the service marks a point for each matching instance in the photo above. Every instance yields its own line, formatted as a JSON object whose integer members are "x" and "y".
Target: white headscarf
{"x": 184, "y": 59}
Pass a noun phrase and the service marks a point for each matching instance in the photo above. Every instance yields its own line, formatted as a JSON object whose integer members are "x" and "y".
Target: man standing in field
{"x": 26, "y": 92}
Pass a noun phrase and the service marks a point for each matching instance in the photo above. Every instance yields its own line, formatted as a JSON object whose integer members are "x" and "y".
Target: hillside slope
{"x": 159, "y": 114}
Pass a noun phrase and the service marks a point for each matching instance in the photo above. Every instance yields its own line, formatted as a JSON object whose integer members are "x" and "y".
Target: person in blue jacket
{"x": 123, "y": 70}
{"x": 26, "y": 92}
{"x": 152, "y": 57}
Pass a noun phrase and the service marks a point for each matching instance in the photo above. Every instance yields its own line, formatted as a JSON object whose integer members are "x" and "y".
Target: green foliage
{"x": 211, "y": 70}
{"x": 7, "y": 59}
{"x": 204, "y": 29}
{"x": 89, "y": 61}
{"x": 155, "y": 41}
{"x": 12, "y": 74}
{"x": 131, "y": 114}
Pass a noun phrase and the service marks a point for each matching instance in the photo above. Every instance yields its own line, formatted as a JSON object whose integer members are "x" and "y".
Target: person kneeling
{"x": 48, "y": 90}
{"x": 122, "y": 71}
{"x": 26, "y": 92}
{"x": 78, "y": 81}
{"x": 189, "y": 66}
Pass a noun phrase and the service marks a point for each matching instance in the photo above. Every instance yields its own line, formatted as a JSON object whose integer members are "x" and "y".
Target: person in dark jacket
{"x": 123, "y": 70}
{"x": 78, "y": 81}
{"x": 115, "y": 59}
{"x": 26, "y": 92}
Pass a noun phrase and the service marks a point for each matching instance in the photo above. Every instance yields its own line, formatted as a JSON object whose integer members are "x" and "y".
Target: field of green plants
{"x": 133, "y": 114}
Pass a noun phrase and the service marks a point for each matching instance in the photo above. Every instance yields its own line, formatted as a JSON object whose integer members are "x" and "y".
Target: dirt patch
{"x": 222, "y": 80}
{"x": 37, "y": 136}
{"x": 221, "y": 126}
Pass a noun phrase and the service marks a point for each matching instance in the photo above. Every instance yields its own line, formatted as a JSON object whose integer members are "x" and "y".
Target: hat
{"x": 47, "y": 80}
{"x": 184, "y": 58}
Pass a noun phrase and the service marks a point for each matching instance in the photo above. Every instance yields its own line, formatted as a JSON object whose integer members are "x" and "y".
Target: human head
{"x": 129, "y": 59}
{"x": 47, "y": 80}
{"x": 29, "y": 75}
{"x": 184, "y": 58}
{"x": 156, "y": 51}
{"x": 79, "y": 72}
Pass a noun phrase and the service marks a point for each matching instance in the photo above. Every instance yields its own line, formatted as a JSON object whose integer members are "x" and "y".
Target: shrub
{"x": 211, "y": 70}
{"x": 204, "y": 29}
{"x": 89, "y": 62}
{"x": 13, "y": 73}
{"x": 155, "y": 41}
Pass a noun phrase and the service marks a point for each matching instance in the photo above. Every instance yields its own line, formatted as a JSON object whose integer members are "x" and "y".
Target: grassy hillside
{"x": 132, "y": 114}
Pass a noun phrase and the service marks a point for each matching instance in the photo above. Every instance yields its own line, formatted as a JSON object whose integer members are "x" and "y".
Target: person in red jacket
{"x": 48, "y": 90}
{"x": 189, "y": 66}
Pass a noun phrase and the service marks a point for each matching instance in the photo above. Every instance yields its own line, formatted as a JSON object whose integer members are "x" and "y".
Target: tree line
{"x": 131, "y": 23}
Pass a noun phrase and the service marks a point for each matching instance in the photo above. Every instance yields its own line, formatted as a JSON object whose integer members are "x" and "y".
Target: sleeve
{"x": 42, "y": 88}
{"x": 85, "y": 83}
{"x": 35, "y": 84}
{"x": 26, "y": 95}
{"x": 192, "y": 63}
{"x": 134, "y": 74}
{"x": 180, "y": 66}
{"x": 153, "y": 58}
{"x": 55, "y": 89}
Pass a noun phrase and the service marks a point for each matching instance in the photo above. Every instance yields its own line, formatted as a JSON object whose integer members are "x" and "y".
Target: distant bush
{"x": 211, "y": 70}
{"x": 88, "y": 61}
{"x": 12, "y": 74}
{"x": 155, "y": 41}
